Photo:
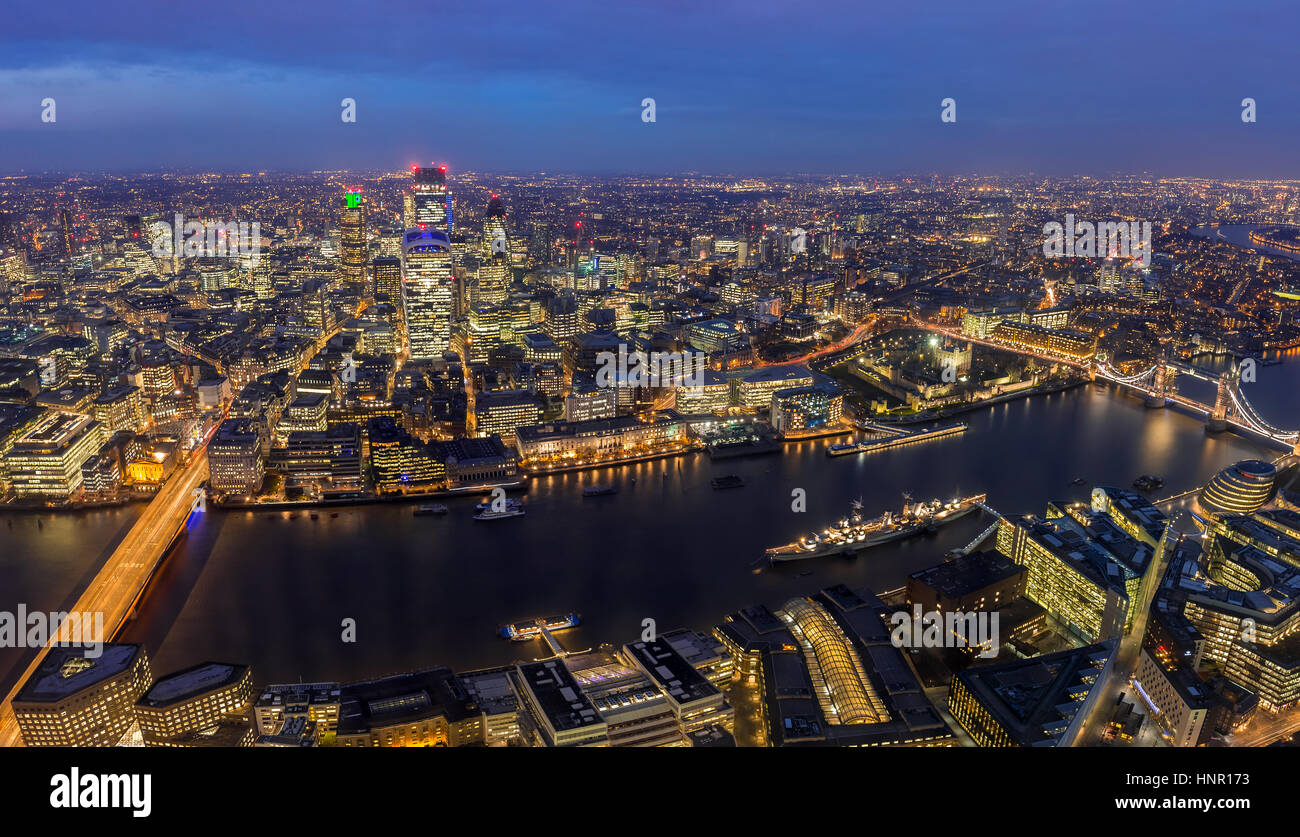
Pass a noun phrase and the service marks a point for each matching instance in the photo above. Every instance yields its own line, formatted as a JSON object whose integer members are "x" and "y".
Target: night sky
{"x": 744, "y": 88}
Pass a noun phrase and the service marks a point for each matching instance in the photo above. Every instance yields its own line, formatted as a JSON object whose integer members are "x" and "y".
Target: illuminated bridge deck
{"x": 117, "y": 588}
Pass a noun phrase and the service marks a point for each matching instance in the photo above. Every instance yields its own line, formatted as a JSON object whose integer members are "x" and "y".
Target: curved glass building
{"x": 839, "y": 680}
{"x": 1243, "y": 488}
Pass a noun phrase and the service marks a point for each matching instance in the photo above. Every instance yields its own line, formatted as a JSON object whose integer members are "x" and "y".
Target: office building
{"x": 558, "y": 709}
{"x": 45, "y": 462}
{"x": 388, "y": 279}
{"x": 422, "y": 709}
{"x": 74, "y": 699}
{"x": 235, "y": 457}
{"x": 353, "y": 247}
{"x": 500, "y": 413}
{"x": 754, "y": 391}
{"x": 178, "y": 709}
{"x": 797, "y": 409}
{"x": 1242, "y": 488}
{"x": 968, "y": 583}
{"x": 425, "y": 205}
{"x": 316, "y": 703}
{"x": 694, "y": 701}
{"x": 1044, "y": 701}
{"x": 427, "y": 293}
{"x": 400, "y": 463}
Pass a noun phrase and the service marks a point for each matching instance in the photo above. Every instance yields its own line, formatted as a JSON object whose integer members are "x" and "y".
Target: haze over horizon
{"x": 755, "y": 88}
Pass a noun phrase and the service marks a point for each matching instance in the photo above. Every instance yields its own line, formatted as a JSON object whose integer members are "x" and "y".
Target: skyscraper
{"x": 494, "y": 271}
{"x": 494, "y": 228}
{"x": 427, "y": 292}
{"x": 388, "y": 278}
{"x": 352, "y": 242}
{"x": 540, "y": 245}
{"x": 427, "y": 281}
{"x": 425, "y": 206}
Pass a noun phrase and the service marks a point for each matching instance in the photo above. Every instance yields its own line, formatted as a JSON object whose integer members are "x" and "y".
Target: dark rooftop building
{"x": 423, "y": 708}
{"x": 1040, "y": 702}
{"x": 979, "y": 581}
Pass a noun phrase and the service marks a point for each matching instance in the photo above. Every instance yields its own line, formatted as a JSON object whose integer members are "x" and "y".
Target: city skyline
{"x": 303, "y": 371}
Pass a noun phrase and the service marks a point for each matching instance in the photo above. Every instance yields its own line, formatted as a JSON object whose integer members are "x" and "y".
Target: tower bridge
{"x": 1159, "y": 384}
{"x": 1231, "y": 408}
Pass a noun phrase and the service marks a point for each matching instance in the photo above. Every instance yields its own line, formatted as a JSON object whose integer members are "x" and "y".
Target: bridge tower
{"x": 1159, "y": 385}
{"x": 1218, "y": 420}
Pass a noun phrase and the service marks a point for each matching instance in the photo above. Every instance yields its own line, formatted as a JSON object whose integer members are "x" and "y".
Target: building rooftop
{"x": 968, "y": 573}
{"x": 66, "y": 671}
{"x": 192, "y": 682}
{"x": 670, "y": 670}
{"x": 402, "y": 698}
{"x": 54, "y": 431}
{"x": 1036, "y": 700}
{"x": 557, "y": 694}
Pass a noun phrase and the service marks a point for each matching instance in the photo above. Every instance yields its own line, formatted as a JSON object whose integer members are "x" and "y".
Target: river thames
{"x": 271, "y": 591}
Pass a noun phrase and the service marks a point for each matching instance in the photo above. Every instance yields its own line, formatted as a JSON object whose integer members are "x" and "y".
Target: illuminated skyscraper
{"x": 388, "y": 278}
{"x": 425, "y": 206}
{"x": 263, "y": 283}
{"x": 427, "y": 292}
{"x": 494, "y": 228}
{"x": 493, "y": 280}
{"x": 352, "y": 242}
{"x": 494, "y": 272}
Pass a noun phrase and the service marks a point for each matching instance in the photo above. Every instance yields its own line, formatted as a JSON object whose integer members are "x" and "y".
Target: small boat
{"x": 430, "y": 509}
{"x": 315, "y": 516}
{"x": 599, "y": 490}
{"x": 1078, "y": 481}
{"x": 804, "y": 573}
{"x": 334, "y": 514}
{"x": 727, "y": 481}
{"x": 512, "y": 508}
